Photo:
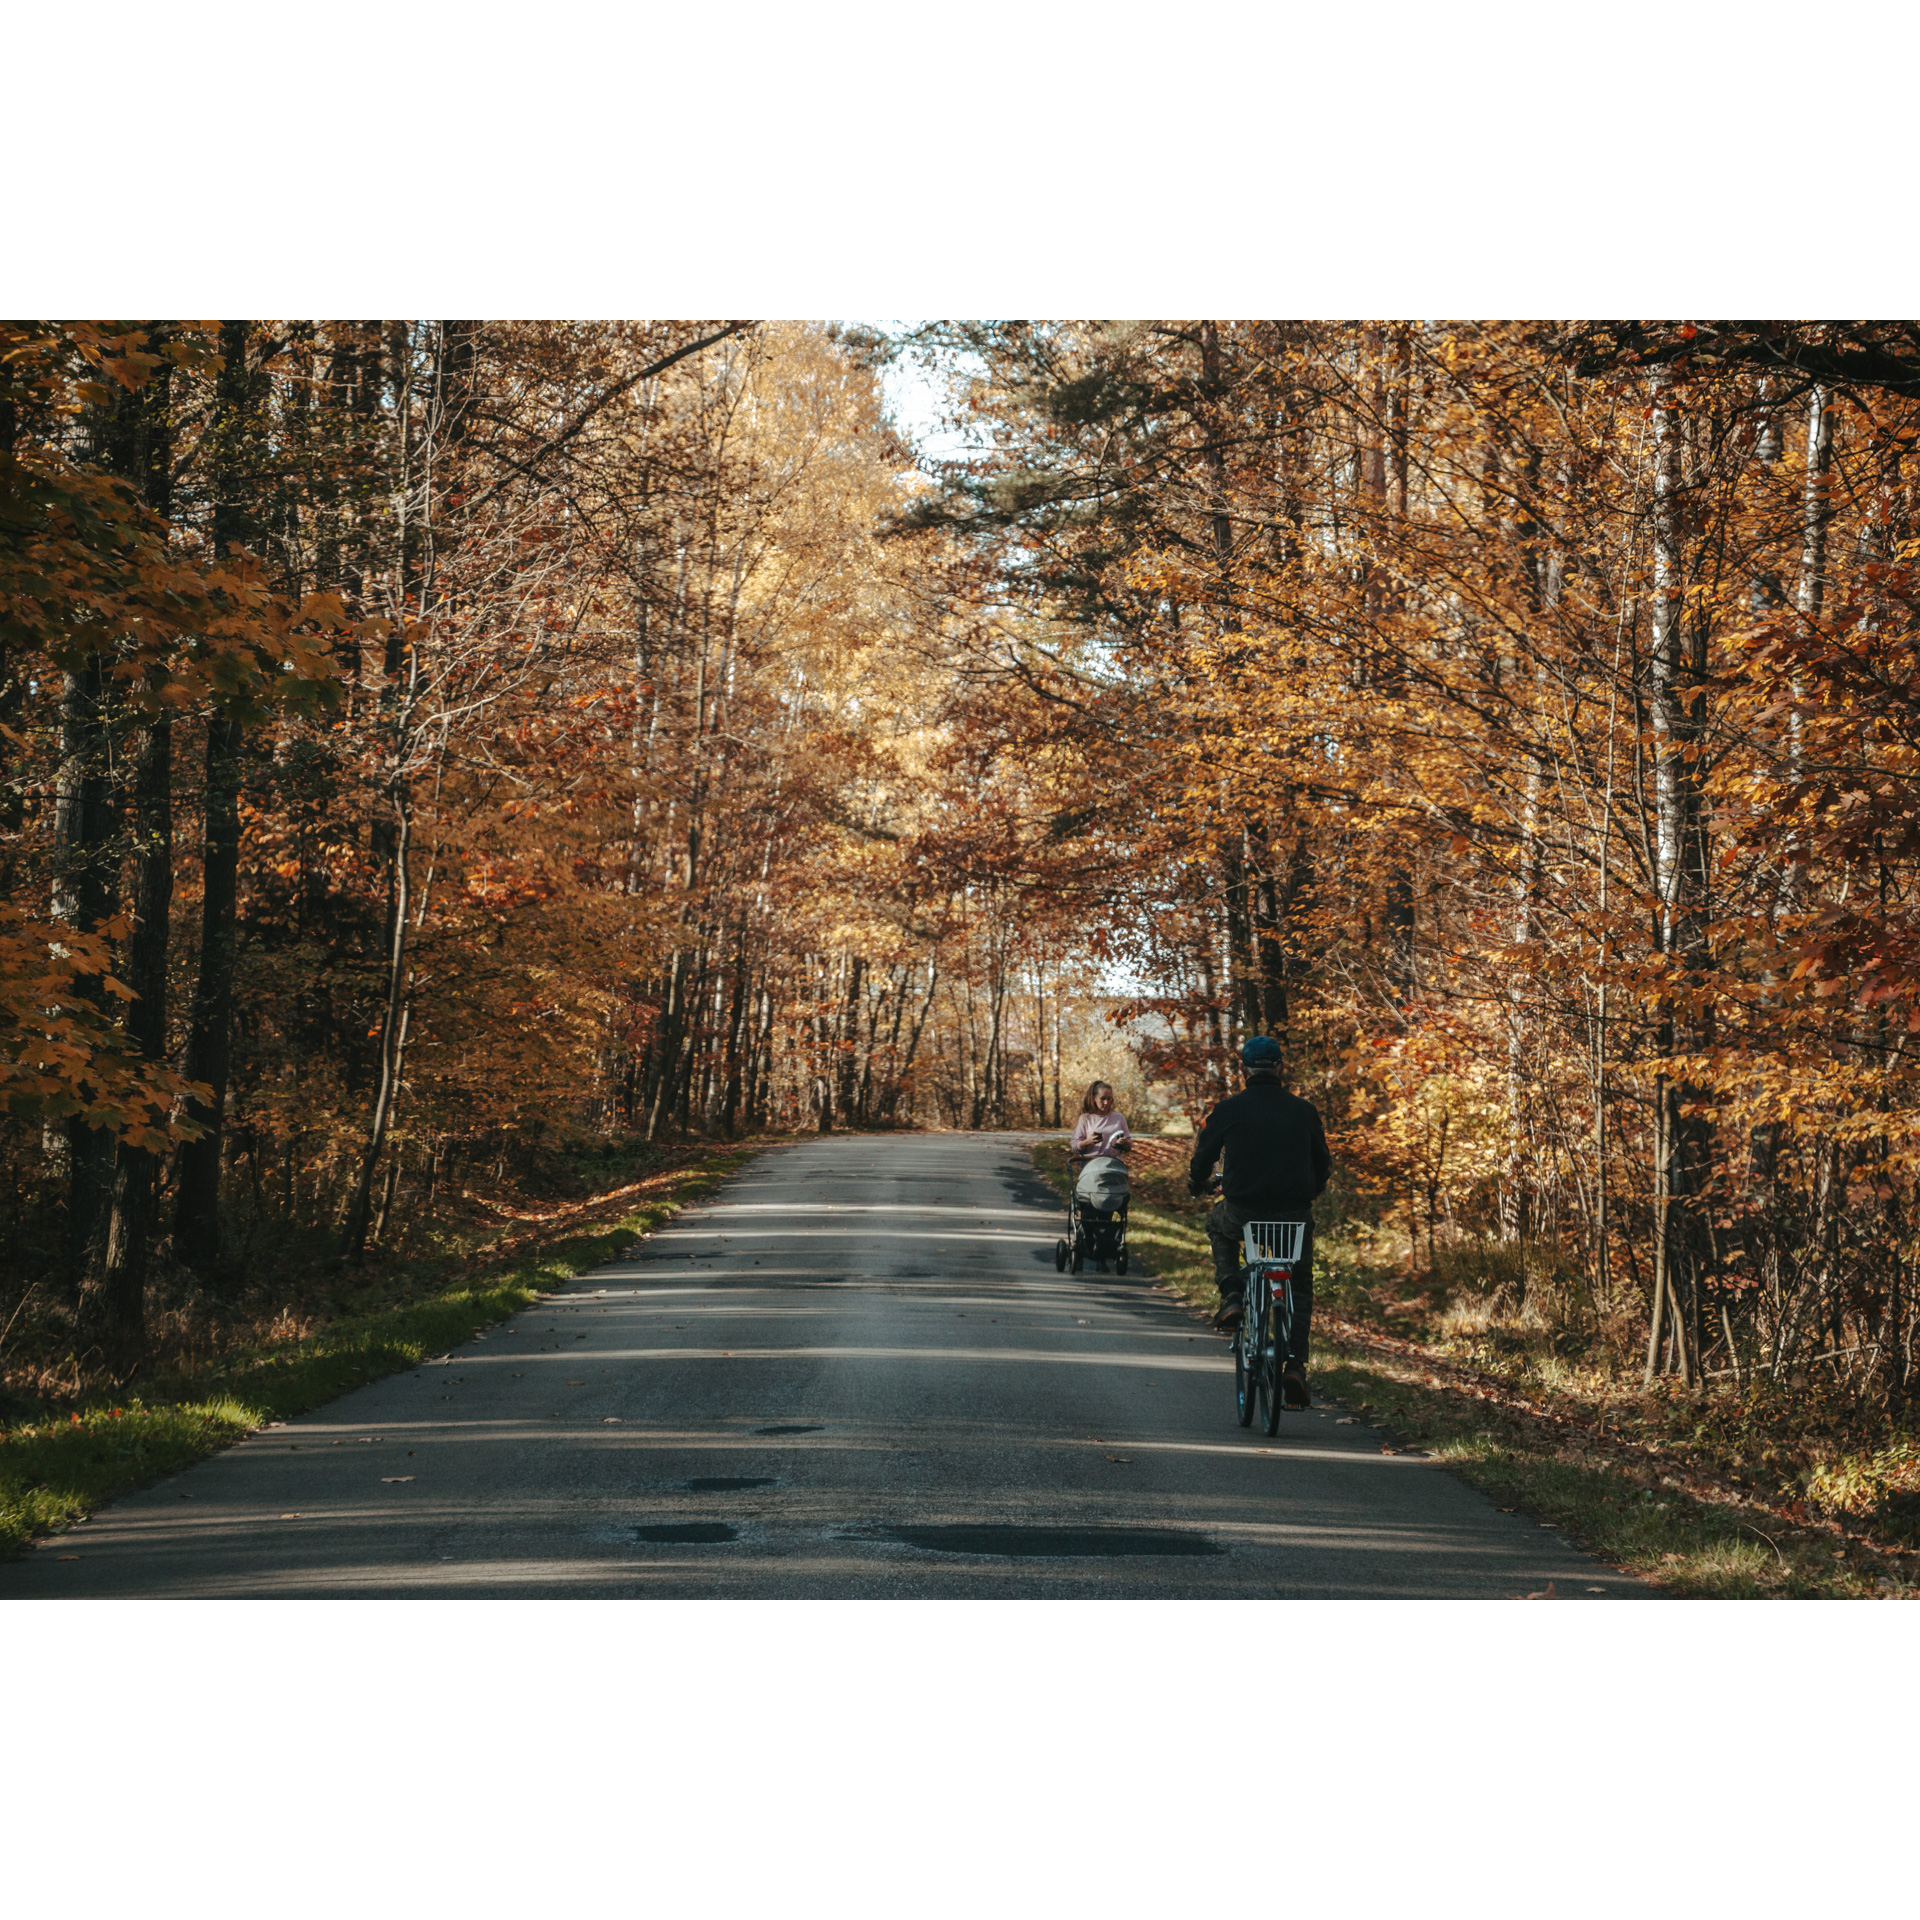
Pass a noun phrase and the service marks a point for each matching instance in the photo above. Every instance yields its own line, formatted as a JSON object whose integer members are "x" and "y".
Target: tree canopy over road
{"x": 430, "y": 744}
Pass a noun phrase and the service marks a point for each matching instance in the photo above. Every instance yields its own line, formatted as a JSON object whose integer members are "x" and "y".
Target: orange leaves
{"x": 61, "y": 1057}
{"x": 324, "y": 609}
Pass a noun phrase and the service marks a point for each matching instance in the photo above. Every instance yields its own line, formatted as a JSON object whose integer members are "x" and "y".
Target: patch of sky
{"x": 924, "y": 387}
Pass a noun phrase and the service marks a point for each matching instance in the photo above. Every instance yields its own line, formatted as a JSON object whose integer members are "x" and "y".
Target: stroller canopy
{"x": 1102, "y": 1182}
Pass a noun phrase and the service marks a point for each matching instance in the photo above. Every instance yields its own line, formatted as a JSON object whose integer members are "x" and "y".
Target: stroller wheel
{"x": 1079, "y": 1259}
{"x": 1059, "y": 1256}
{"x": 1120, "y": 1261}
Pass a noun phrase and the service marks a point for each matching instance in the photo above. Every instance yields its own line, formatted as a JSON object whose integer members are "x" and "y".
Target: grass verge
{"x": 1620, "y": 1501}
{"x": 54, "y": 1472}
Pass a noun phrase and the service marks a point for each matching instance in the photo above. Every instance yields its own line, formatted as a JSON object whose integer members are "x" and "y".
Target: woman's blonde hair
{"x": 1086, "y": 1100}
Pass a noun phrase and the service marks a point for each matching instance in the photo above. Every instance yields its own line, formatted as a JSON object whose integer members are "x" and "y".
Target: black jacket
{"x": 1276, "y": 1149}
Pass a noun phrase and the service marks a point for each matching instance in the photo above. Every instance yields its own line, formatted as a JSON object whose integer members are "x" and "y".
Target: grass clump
{"x": 1621, "y": 1511}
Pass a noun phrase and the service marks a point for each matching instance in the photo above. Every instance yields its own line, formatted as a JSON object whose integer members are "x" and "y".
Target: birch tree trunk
{"x": 1677, "y": 664}
{"x": 413, "y": 613}
{"x": 1516, "y": 1215}
{"x": 1816, "y": 516}
{"x": 1667, "y": 713}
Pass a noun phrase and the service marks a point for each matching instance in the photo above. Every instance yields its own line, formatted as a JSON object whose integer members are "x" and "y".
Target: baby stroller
{"x": 1096, "y": 1216}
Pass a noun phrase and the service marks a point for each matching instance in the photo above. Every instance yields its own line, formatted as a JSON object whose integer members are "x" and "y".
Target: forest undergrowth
{"x": 1718, "y": 1493}
{"x": 298, "y": 1330}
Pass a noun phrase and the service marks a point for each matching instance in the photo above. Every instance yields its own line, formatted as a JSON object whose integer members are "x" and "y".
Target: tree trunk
{"x": 919, "y": 1025}
{"x": 1816, "y": 517}
{"x": 115, "y": 1312}
{"x": 846, "y": 1067}
{"x": 736, "y": 1026}
{"x": 353, "y": 1236}
{"x": 121, "y": 1179}
{"x": 1677, "y": 711}
{"x": 1516, "y": 1213}
{"x": 85, "y": 894}
{"x": 196, "y": 1220}
{"x": 1243, "y": 988}
{"x": 196, "y": 1225}
{"x": 1059, "y": 990}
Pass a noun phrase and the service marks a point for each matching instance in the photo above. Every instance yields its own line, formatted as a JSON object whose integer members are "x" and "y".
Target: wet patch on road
{"x": 789, "y": 1429}
{"x": 1052, "y": 1543}
{"x": 723, "y": 1483}
{"x": 687, "y": 1533}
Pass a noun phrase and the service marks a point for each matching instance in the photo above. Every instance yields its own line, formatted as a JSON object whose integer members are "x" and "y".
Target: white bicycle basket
{"x": 1272, "y": 1243}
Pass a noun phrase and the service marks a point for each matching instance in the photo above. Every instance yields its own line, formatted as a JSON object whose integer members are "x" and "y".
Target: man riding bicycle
{"x": 1276, "y": 1165}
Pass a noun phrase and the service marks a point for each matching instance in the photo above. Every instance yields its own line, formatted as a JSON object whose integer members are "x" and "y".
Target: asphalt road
{"x": 854, "y": 1373}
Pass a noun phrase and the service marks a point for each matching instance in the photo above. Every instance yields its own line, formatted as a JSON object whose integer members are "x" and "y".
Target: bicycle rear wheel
{"x": 1246, "y": 1353}
{"x": 1274, "y": 1341}
{"x": 1271, "y": 1398}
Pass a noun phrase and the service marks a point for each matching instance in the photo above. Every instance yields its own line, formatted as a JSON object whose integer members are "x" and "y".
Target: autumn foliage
{"x": 1520, "y": 721}
{"x": 429, "y": 742}
{"x": 429, "y": 745}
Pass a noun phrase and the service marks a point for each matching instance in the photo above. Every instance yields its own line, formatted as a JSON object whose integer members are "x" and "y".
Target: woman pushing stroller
{"x": 1095, "y": 1156}
{"x": 1100, "y": 1127}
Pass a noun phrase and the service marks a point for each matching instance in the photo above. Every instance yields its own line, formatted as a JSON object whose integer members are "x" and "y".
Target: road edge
{"x": 56, "y": 1474}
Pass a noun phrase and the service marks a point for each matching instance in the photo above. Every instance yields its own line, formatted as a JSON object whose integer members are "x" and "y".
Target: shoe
{"x": 1232, "y": 1311}
{"x": 1293, "y": 1386}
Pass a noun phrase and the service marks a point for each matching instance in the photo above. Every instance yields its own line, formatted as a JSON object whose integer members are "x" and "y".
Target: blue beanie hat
{"x": 1260, "y": 1051}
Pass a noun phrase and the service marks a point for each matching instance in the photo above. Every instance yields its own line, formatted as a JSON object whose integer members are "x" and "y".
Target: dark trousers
{"x": 1223, "y": 1235}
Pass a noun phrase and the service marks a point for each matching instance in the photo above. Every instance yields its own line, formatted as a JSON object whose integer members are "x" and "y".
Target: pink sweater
{"x": 1099, "y": 1133}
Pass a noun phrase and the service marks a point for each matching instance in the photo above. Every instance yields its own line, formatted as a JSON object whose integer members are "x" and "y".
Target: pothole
{"x": 687, "y": 1533}
{"x": 724, "y": 1484}
{"x": 789, "y": 1429}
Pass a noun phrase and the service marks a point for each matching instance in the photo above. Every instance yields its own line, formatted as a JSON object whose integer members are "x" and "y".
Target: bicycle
{"x": 1271, "y": 1251}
